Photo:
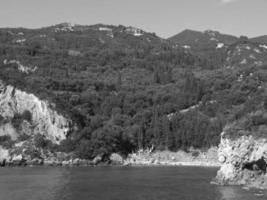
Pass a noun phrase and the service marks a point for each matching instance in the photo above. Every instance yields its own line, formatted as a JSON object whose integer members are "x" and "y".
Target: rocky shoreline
{"x": 180, "y": 158}
{"x": 170, "y": 163}
{"x": 20, "y": 161}
{"x": 141, "y": 158}
{"x": 244, "y": 162}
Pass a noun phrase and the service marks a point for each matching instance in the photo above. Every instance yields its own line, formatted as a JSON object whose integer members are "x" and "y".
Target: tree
{"x": 155, "y": 125}
{"x": 166, "y": 132}
{"x": 156, "y": 76}
{"x": 119, "y": 81}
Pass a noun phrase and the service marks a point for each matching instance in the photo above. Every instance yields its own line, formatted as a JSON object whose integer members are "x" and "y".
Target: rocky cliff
{"x": 44, "y": 120}
{"x": 244, "y": 161}
{"x": 27, "y": 126}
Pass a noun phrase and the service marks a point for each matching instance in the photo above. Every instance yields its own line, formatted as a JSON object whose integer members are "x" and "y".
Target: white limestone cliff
{"x": 244, "y": 161}
{"x": 45, "y": 120}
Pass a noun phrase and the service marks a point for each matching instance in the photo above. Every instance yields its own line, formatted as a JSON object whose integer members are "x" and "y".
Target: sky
{"x": 164, "y": 17}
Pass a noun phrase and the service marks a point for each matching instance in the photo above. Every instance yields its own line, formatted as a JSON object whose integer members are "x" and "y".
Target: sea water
{"x": 117, "y": 183}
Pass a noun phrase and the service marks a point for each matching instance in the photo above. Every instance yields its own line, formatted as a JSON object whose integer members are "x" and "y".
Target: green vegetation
{"x": 5, "y": 141}
{"x": 125, "y": 93}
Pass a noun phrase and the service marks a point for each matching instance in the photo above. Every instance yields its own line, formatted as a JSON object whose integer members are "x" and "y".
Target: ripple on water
{"x": 38, "y": 183}
{"x": 117, "y": 183}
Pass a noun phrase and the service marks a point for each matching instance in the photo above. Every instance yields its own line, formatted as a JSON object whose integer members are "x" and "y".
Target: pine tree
{"x": 140, "y": 138}
{"x": 166, "y": 131}
{"x": 155, "y": 125}
{"x": 156, "y": 76}
{"x": 119, "y": 81}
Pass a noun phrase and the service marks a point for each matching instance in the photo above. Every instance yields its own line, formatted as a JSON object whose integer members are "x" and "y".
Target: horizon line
{"x": 101, "y": 23}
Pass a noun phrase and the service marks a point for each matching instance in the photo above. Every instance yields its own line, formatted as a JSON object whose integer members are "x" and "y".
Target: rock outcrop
{"x": 4, "y": 156}
{"x": 244, "y": 161}
{"x": 45, "y": 120}
{"x": 116, "y": 159}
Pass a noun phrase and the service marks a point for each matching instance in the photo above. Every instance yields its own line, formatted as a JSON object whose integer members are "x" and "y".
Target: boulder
{"x": 18, "y": 160}
{"x": 4, "y": 156}
{"x": 66, "y": 163}
{"x": 156, "y": 162}
{"x": 222, "y": 159}
{"x": 35, "y": 161}
{"x": 116, "y": 159}
{"x": 76, "y": 161}
{"x": 83, "y": 162}
{"x": 49, "y": 162}
{"x": 97, "y": 160}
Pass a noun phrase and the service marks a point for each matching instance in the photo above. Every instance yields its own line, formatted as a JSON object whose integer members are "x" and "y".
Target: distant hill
{"x": 190, "y": 37}
{"x": 260, "y": 39}
{"x": 209, "y": 45}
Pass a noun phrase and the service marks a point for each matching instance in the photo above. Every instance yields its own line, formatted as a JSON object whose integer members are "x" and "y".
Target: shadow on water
{"x": 116, "y": 183}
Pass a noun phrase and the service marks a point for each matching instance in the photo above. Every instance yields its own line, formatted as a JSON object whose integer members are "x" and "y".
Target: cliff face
{"x": 244, "y": 161}
{"x": 44, "y": 120}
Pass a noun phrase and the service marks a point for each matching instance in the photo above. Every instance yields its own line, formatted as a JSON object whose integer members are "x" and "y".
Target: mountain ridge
{"x": 111, "y": 25}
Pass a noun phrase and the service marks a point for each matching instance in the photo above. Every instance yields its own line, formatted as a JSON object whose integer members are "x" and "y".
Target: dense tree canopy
{"x": 126, "y": 92}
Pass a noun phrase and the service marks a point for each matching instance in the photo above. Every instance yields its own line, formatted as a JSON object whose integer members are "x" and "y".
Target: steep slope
{"x": 243, "y": 152}
{"x": 27, "y": 126}
{"x": 43, "y": 118}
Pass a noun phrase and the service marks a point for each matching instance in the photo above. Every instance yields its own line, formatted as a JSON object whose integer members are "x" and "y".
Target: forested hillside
{"x": 126, "y": 89}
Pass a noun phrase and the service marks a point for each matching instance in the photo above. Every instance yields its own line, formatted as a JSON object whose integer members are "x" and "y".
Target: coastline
{"x": 178, "y": 164}
{"x": 142, "y": 158}
{"x": 104, "y": 164}
{"x": 194, "y": 158}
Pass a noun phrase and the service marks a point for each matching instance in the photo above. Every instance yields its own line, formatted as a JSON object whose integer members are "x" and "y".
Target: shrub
{"x": 6, "y": 141}
{"x": 19, "y": 118}
{"x": 1, "y": 119}
{"x": 67, "y": 145}
{"x": 85, "y": 150}
{"x": 40, "y": 141}
{"x": 4, "y": 138}
{"x": 32, "y": 152}
{"x": 23, "y": 137}
{"x": 195, "y": 154}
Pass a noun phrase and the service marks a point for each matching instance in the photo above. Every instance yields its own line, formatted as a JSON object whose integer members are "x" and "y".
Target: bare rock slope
{"x": 45, "y": 120}
{"x": 244, "y": 161}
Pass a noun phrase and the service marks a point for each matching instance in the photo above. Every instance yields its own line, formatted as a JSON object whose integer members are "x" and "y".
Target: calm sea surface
{"x": 117, "y": 183}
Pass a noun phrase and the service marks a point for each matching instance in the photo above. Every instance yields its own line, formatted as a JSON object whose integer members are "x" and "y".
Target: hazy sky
{"x": 164, "y": 17}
